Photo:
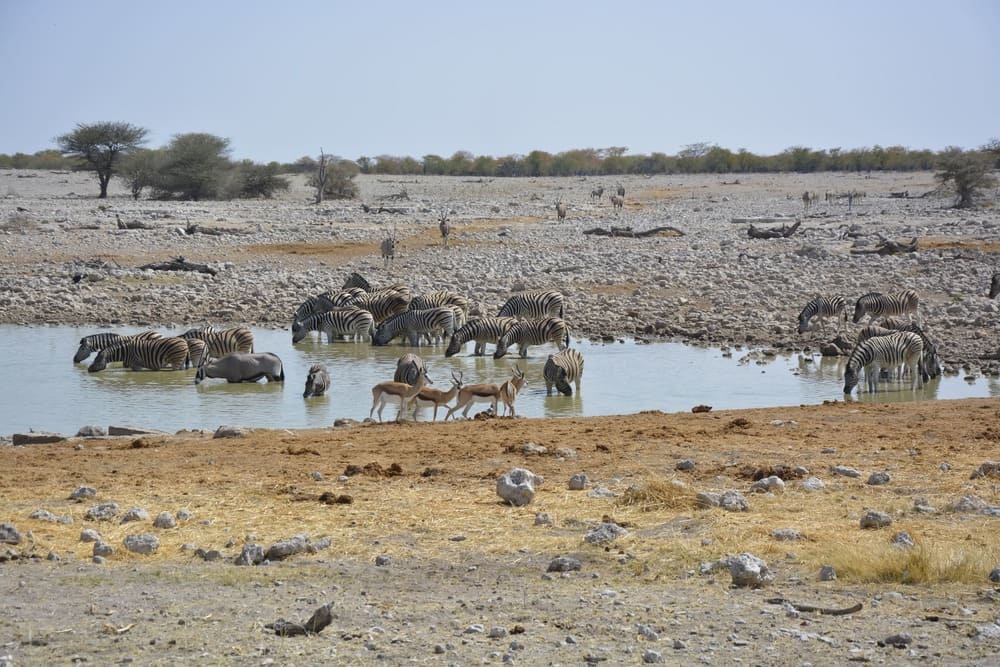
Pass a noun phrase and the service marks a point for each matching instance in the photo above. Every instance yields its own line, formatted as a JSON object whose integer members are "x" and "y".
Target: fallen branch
{"x": 134, "y": 224}
{"x": 192, "y": 229}
{"x": 321, "y": 618}
{"x": 782, "y": 232}
{"x": 889, "y": 248}
{"x": 628, "y": 232}
{"x": 383, "y": 209}
{"x": 761, "y": 220}
{"x": 179, "y": 264}
{"x": 819, "y": 610}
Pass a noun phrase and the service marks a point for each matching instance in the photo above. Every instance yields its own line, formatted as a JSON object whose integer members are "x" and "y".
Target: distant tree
{"x": 337, "y": 181}
{"x": 366, "y": 164}
{"x": 138, "y": 170}
{"x": 195, "y": 166}
{"x": 967, "y": 173}
{"x": 252, "y": 180}
{"x": 993, "y": 147}
{"x": 99, "y": 147}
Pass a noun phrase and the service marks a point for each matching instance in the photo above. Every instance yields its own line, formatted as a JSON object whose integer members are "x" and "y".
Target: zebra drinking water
{"x": 99, "y": 341}
{"x": 482, "y": 330}
{"x": 877, "y": 305}
{"x": 562, "y": 368}
{"x": 221, "y": 343}
{"x": 535, "y": 332}
{"x": 533, "y": 305}
{"x": 415, "y": 323}
{"x": 899, "y": 348}
{"x": 821, "y": 308}
{"x": 149, "y": 353}
{"x": 355, "y": 323}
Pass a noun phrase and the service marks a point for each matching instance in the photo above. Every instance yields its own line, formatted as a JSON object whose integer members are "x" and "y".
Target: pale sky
{"x": 411, "y": 78}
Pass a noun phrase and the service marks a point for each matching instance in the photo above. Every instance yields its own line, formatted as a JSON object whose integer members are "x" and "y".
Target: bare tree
{"x": 322, "y": 175}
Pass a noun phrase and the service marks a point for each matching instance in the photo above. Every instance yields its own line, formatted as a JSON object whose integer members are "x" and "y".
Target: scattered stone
{"x": 601, "y": 492}
{"x": 969, "y": 504}
{"x": 319, "y": 545}
{"x": 733, "y": 501}
{"x": 498, "y": 632}
{"x": 143, "y": 544}
{"x": 9, "y": 534}
{"x": 747, "y": 570}
{"x": 165, "y": 520}
{"x": 517, "y": 486}
{"x": 578, "y": 482}
{"x": 991, "y": 631}
{"x": 566, "y": 453}
{"x": 878, "y": 478}
{"x": 708, "y": 499}
{"x": 89, "y": 535}
{"x": 701, "y": 408}
{"x": 786, "y": 535}
{"x": 383, "y": 560}
{"x": 944, "y": 467}
{"x": 903, "y": 540}
{"x": 103, "y": 512}
{"x": 899, "y": 640}
{"x": 827, "y": 573}
{"x": 82, "y": 493}
{"x": 135, "y": 514}
{"x": 103, "y": 549}
{"x": 132, "y": 430}
{"x": 45, "y": 515}
{"x": 987, "y": 469}
{"x": 679, "y": 645}
{"x": 768, "y": 484}
{"x": 53, "y": 556}
{"x": 650, "y": 657}
{"x": 564, "y": 564}
{"x": 320, "y": 619}
{"x": 285, "y": 548}
{"x": 252, "y": 554}
{"x": 36, "y": 438}
{"x": 845, "y": 471}
{"x": 647, "y": 632}
{"x": 543, "y": 519}
{"x": 995, "y": 575}
{"x": 534, "y": 448}
{"x": 685, "y": 465}
{"x": 99, "y": 560}
{"x": 317, "y": 476}
{"x": 184, "y": 515}
{"x": 91, "y": 431}
{"x": 457, "y": 538}
{"x": 923, "y": 505}
{"x": 475, "y": 629}
{"x": 873, "y": 520}
{"x": 812, "y": 484}
{"x": 604, "y": 532}
{"x": 230, "y": 432}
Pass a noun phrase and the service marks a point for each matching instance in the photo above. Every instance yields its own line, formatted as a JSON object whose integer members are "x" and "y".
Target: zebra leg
{"x": 524, "y": 350}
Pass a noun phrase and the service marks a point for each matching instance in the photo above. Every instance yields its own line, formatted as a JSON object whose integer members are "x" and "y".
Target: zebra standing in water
{"x": 549, "y": 330}
{"x": 877, "y": 305}
{"x": 383, "y": 305}
{"x": 414, "y": 323}
{"x": 408, "y": 368}
{"x": 355, "y": 323}
{"x": 899, "y": 348}
{"x": 533, "y": 305}
{"x": 99, "y": 341}
{"x": 150, "y": 353}
{"x": 561, "y": 369}
{"x": 482, "y": 330}
{"x": 821, "y": 308}
{"x": 932, "y": 361}
{"x": 221, "y": 343}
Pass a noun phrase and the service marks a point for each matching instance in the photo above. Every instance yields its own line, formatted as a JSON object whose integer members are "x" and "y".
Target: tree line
{"x": 198, "y": 165}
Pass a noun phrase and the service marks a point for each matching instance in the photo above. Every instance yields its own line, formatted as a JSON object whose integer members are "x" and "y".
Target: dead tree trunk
{"x": 782, "y": 232}
{"x": 180, "y": 264}
{"x": 887, "y": 247}
{"x": 628, "y": 232}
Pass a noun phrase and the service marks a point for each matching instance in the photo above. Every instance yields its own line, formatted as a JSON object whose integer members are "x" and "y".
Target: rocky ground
{"x": 712, "y": 284}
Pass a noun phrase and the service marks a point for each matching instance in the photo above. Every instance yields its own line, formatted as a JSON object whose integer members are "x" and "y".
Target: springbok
{"x": 476, "y": 393}
{"x": 509, "y": 390}
{"x": 429, "y": 396}
{"x": 383, "y": 391}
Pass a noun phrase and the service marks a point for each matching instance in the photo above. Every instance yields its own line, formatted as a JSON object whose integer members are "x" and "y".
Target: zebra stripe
{"x": 876, "y": 305}
{"x": 383, "y": 305}
{"x": 821, "y": 308}
{"x": 355, "y": 323}
{"x": 408, "y": 368}
{"x": 438, "y": 299}
{"x": 322, "y": 303}
{"x": 535, "y": 332}
{"x": 899, "y": 348}
{"x": 221, "y": 343}
{"x": 196, "y": 350}
{"x": 931, "y": 359}
{"x": 99, "y": 341}
{"x": 535, "y": 305}
{"x": 152, "y": 353}
{"x": 483, "y": 330}
{"x": 357, "y": 280}
{"x": 562, "y": 368}
{"x": 317, "y": 381}
{"x": 414, "y": 323}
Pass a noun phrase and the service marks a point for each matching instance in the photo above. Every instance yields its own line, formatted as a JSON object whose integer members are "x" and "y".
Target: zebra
{"x": 932, "y": 361}
{"x": 355, "y": 323}
{"x": 137, "y": 354}
{"x": 539, "y": 332}
{"x": 995, "y": 285}
{"x": 440, "y": 298}
{"x": 808, "y": 199}
{"x": 562, "y": 368}
{"x": 877, "y": 305}
{"x": 533, "y": 305}
{"x": 408, "y": 368}
{"x": 444, "y": 228}
{"x": 617, "y": 202}
{"x": 482, "y": 330}
{"x": 899, "y": 348}
{"x": 321, "y": 303}
{"x": 357, "y": 280}
{"x": 317, "y": 381}
{"x": 383, "y": 305}
{"x": 221, "y": 343}
{"x": 620, "y": 191}
{"x": 821, "y": 308}
{"x": 414, "y": 323}
{"x": 196, "y": 350}
{"x": 97, "y": 342}
{"x": 388, "y": 248}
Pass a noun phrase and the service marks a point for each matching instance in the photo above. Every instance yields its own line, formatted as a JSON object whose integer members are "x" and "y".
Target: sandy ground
{"x": 425, "y": 563}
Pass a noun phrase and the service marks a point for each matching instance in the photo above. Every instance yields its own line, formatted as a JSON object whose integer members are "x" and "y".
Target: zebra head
{"x": 84, "y": 351}
{"x": 850, "y": 379}
{"x": 299, "y": 331}
{"x": 100, "y": 362}
{"x": 862, "y": 305}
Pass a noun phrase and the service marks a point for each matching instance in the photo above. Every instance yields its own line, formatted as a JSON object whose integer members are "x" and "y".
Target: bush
{"x": 252, "y": 180}
{"x": 339, "y": 179}
{"x": 967, "y": 173}
{"x": 195, "y": 166}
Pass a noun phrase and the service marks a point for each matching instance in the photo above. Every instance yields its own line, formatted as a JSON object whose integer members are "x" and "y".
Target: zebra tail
{"x": 281, "y": 375}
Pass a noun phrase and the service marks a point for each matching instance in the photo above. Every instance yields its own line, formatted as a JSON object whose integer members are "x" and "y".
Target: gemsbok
{"x": 428, "y": 396}
{"x": 385, "y": 391}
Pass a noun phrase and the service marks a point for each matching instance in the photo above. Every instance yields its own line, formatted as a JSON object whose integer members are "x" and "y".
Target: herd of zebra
{"x": 895, "y": 347}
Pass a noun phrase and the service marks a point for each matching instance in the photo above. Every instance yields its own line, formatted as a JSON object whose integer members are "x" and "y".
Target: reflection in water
{"x": 44, "y": 390}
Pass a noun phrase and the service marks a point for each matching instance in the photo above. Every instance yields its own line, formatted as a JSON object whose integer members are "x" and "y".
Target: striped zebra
{"x": 357, "y": 280}
{"x": 196, "y": 350}
{"x": 877, "y": 305}
{"x": 932, "y": 361}
{"x": 415, "y": 323}
{"x": 821, "y": 308}
{"x": 321, "y": 303}
{"x": 150, "y": 353}
{"x": 482, "y": 330}
{"x": 221, "y": 343}
{"x": 439, "y": 298}
{"x": 355, "y": 323}
{"x": 874, "y": 354}
{"x": 317, "y": 381}
{"x": 562, "y": 368}
{"x": 383, "y": 305}
{"x": 408, "y": 368}
{"x": 534, "y": 305}
{"x": 534, "y": 332}
{"x": 97, "y": 342}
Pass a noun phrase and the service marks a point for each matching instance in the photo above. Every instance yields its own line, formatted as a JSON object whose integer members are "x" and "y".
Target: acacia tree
{"x": 100, "y": 146}
{"x": 968, "y": 173}
{"x": 194, "y": 166}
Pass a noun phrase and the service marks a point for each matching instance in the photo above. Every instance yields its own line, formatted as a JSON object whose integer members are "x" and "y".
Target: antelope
{"x": 561, "y": 210}
{"x": 429, "y": 396}
{"x": 445, "y": 228}
{"x": 621, "y": 191}
{"x": 388, "y": 248}
{"x": 383, "y": 391}
{"x": 510, "y": 388}
{"x": 476, "y": 393}
{"x": 617, "y": 202}
{"x": 597, "y": 193}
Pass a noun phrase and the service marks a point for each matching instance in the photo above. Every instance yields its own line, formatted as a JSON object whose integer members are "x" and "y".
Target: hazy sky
{"x": 282, "y": 79}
